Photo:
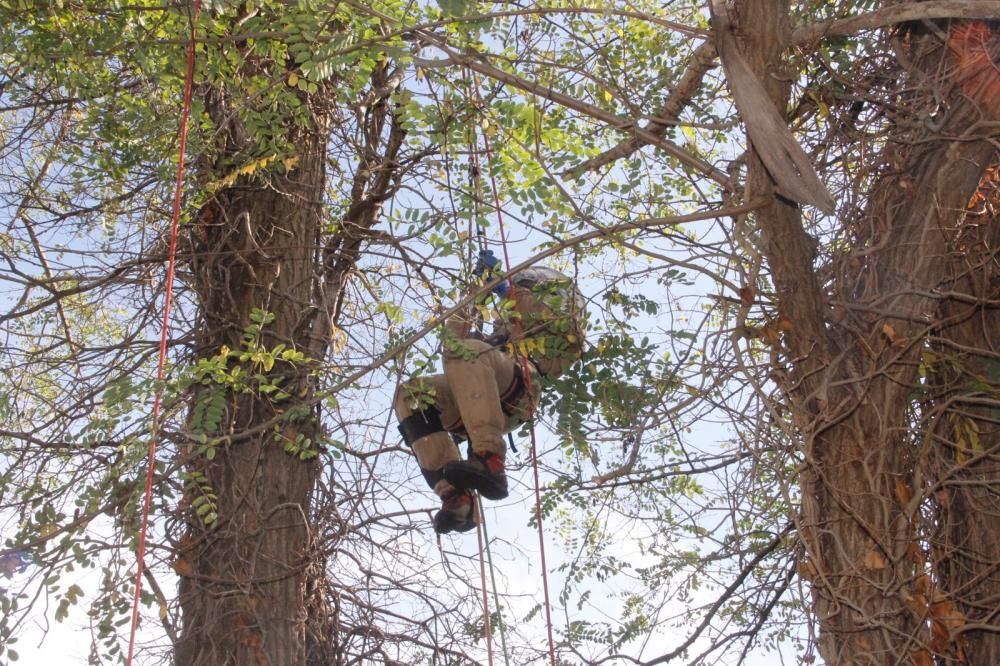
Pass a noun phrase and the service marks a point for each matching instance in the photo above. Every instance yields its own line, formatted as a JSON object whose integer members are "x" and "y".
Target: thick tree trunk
{"x": 860, "y": 525}
{"x": 270, "y": 276}
{"x": 853, "y": 363}
{"x": 243, "y": 574}
{"x": 966, "y": 475}
{"x": 855, "y": 534}
{"x": 964, "y": 464}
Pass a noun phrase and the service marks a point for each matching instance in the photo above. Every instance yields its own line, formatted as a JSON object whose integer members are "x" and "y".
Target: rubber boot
{"x": 483, "y": 471}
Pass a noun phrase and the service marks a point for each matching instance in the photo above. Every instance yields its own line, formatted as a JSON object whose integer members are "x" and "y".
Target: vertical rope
{"x": 476, "y": 184}
{"x": 171, "y": 267}
{"x": 527, "y": 381}
{"x": 493, "y": 584}
{"x": 474, "y": 165}
{"x": 482, "y": 577}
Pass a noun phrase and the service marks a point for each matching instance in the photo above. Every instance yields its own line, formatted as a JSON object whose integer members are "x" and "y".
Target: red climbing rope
{"x": 171, "y": 264}
{"x": 527, "y": 381}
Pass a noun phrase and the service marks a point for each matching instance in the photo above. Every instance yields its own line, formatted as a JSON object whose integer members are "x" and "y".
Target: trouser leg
{"x": 476, "y": 383}
{"x": 418, "y": 405}
{"x": 476, "y": 380}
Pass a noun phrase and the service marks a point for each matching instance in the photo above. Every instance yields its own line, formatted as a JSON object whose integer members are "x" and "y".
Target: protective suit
{"x": 483, "y": 393}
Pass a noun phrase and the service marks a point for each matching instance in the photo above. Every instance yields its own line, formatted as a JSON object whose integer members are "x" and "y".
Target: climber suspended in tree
{"x": 484, "y": 393}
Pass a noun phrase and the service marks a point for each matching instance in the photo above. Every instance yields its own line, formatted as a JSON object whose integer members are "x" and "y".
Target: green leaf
{"x": 454, "y": 7}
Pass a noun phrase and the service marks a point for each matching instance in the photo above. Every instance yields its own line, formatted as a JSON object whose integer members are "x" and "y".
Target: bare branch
{"x": 897, "y": 13}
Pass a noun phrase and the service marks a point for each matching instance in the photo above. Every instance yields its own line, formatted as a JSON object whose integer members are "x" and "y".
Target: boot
{"x": 482, "y": 471}
{"x": 456, "y": 514}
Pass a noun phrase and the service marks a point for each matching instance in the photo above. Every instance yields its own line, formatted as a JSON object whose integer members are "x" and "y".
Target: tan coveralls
{"x": 478, "y": 378}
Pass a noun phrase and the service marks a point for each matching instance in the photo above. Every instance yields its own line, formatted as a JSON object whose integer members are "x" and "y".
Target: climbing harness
{"x": 169, "y": 287}
{"x": 510, "y": 400}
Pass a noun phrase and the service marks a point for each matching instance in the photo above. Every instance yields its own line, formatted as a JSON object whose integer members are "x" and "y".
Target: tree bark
{"x": 270, "y": 273}
{"x": 242, "y": 591}
{"x": 852, "y": 359}
{"x": 963, "y": 464}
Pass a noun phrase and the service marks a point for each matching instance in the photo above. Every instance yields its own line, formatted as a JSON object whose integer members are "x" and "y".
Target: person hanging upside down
{"x": 483, "y": 393}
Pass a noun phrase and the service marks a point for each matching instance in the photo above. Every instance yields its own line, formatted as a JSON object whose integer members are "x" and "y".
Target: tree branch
{"x": 702, "y": 60}
{"x": 726, "y": 594}
{"x": 893, "y": 14}
{"x": 476, "y": 63}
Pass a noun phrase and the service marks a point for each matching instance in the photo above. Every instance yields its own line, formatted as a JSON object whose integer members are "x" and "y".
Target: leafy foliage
{"x": 669, "y": 454}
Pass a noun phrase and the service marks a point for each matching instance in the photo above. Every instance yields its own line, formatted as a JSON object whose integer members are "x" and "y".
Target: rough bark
{"x": 963, "y": 465}
{"x": 242, "y": 590}
{"x": 852, "y": 361}
{"x": 253, "y": 582}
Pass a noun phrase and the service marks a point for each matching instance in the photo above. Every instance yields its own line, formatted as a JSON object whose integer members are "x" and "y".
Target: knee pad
{"x": 417, "y": 426}
{"x": 420, "y": 424}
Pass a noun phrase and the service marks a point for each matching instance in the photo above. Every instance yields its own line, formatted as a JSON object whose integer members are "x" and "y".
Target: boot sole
{"x": 468, "y": 479}
{"x": 453, "y": 527}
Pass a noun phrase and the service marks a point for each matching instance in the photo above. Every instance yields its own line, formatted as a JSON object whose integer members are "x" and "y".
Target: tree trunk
{"x": 860, "y": 525}
{"x": 243, "y": 574}
{"x": 270, "y": 277}
{"x": 963, "y": 465}
{"x": 854, "y": 534}
{"x": 852, "y": 359}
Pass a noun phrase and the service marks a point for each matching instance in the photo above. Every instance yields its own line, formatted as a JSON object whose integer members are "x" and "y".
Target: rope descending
{"x": 171, "y": 266}
{"x": 523, "y": 359}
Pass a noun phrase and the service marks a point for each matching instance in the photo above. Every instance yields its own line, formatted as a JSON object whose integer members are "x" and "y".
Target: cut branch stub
{"x": 789, "y": 166}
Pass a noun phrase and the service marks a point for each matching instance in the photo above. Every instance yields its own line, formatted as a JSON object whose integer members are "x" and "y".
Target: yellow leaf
{"x": 338, "y": 339}
{"x": 245, "y": 170}
{"x": 290, "y": 162}
{"x": 163, "y": 611}
{"x": 972, "y": 430}
{"x": 889, "y": 332}
{"x": 293, "y": 79}
{"x": 608, "y": 96}
{"x": 961, "y": 456}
